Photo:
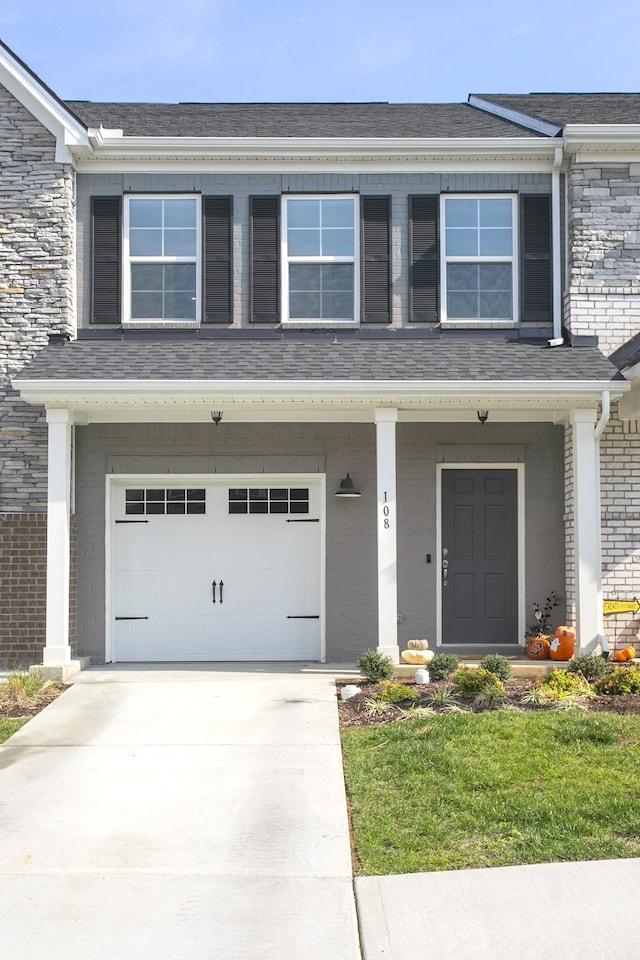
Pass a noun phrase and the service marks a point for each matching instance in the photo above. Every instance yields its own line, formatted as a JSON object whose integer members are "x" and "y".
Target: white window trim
{"x": 150, "y": 322}
{"x": 471, "y": 323}
{"x": 285, "y": 260}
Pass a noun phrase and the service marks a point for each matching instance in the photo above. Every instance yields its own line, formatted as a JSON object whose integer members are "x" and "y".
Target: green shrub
{"x": 621, "y": 680}
{"x": 397, "y": 692}
{"x": 588, "y": 665}
{"x": 443, "y": 665}
{"x": 376, "y": 666}
{"x": 561, "y": 685}
{"x": 497, "y": 664}
{"x": 473, "y": 683}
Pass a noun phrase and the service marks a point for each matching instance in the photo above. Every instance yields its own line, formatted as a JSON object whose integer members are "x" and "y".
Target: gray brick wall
{"x": 36, "y": 289}
{"x": 399, "y": 187}
{"x": 334, "y": 449}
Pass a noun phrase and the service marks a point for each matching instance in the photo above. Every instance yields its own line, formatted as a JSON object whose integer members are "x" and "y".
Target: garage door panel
{"x": 236, "y": 638}
{"x": 163, "y": 572}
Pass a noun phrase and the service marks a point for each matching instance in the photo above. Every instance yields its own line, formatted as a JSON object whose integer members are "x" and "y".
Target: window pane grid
{"x": 162, "y": 245}
{"x": 479, "y": 258}
{"x": 273, "y": 500}
{"x": 320, "y": 251}
{"x": 173, "y": 501}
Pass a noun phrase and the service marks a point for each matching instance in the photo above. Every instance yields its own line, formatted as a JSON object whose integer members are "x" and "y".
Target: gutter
{"x": 555, "y": 246}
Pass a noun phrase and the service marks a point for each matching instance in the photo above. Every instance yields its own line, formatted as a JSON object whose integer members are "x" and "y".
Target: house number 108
{"x": 386, "y": 510}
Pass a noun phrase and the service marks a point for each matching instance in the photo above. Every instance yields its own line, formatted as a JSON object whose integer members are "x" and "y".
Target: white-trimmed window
{"x": 320, "y": 243}
{"x": 161, "y": 256}
{"x": 479, "y": 259}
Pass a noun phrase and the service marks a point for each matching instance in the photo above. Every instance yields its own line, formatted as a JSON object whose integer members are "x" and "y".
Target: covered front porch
{"x": 387, "y": 570}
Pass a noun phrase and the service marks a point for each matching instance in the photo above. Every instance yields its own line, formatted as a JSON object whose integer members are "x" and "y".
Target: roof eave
{"x": 290, "y": 392}
{"x": 110, "y": 146}
{"x": 599, "y": 138}
{"x": 70, "y": 133}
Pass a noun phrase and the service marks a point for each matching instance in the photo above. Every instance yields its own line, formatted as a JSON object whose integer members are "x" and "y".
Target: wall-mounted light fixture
{"x": 347, "y": 490}
{"x": 483, "y": 416}
{"x": 216, "y": 416}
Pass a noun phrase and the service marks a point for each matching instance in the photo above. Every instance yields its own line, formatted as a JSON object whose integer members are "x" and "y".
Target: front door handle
{"x": 221, "y": 586}
{"x": 445, "y": 572}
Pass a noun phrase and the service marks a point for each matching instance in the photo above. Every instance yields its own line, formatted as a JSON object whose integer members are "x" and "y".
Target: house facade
{"x": 290, "y": 381}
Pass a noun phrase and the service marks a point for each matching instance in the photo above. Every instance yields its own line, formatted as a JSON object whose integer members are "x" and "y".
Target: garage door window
{"x": 268, "y": 500}
{"x": 170, "y": 502}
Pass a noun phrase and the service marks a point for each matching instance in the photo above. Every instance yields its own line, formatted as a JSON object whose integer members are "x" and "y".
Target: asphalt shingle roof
{"x": 295, "y": 119}
{"x": 562, "y": 108}
{"x": 324, "y": 358}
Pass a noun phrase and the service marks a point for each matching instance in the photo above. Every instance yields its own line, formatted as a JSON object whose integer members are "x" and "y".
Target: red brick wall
{"x": 23, "y": 586}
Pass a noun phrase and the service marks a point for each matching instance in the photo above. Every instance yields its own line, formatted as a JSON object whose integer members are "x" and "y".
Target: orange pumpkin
{"x": 537, "y": 648}
{"x": 627, "y": 654}
{"x": 563, "y": 644}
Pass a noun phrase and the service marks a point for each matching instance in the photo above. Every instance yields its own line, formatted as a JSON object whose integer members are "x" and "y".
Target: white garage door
{"x": 211, "y": 571}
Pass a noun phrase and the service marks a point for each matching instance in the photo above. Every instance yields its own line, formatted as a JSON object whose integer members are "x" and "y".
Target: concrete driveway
{"x": 158, "y": 812}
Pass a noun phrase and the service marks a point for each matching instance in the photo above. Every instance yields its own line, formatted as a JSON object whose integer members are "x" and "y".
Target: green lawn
{"x": 493, "y": 789}
{"x": 9, "y": 727}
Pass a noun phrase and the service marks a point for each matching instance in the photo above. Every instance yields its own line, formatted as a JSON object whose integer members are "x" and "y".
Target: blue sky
{"x": 280, "y": 50}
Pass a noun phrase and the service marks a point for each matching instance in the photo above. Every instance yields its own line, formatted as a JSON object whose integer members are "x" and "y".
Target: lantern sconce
{"x": 346, "y": 490}
{"x": 483, "y": 416}
{"x": 216, "y": 416}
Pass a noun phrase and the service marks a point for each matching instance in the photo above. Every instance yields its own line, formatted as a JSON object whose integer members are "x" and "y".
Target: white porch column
{"x": 586, "y": 524}
{"x": 386, "y": 420}
{"x": 57, "y": 651}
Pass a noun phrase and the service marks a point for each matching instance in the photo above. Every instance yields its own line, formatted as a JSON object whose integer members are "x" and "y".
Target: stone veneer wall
{"x": 36, "y": 297}
{"x": 603, "y": 295}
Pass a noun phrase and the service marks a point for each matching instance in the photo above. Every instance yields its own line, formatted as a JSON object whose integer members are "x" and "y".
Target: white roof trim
{"x": 291, "y": 392}
{"x": 515, "y": 116}
{"x": 110, "y": 145}
{"x": 43, "y": 105}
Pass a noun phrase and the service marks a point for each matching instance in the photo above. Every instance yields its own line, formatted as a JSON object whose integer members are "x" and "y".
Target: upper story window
{"x": 320, "y": 259}
{"x": 479, "y": 262}
{"x": 162, "y": 262}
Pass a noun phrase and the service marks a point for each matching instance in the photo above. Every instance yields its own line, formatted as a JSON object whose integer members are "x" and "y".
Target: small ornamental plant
{"x": 621, "y": 680}
{"x": 443, "y": 665}
{"x": 560, "y": 685}
{"x": 473, "y": 683}
{"x": 590, "y": 666}
{"x": 376, "y": 666}
{"x": 396, "y": 692}
{"x": 497, "y": 664}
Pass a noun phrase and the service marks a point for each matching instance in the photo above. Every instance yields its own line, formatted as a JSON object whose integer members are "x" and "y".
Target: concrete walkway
{"x": 549, "y": 911}
{"x": 178, "y": 813}
{"x": 199, "y": 813}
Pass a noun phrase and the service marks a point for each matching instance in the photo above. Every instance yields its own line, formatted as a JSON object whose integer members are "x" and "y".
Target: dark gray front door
{"x": 479, "y": 557}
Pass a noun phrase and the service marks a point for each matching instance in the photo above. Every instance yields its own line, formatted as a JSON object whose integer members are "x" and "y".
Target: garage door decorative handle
{"x": 215, "y": 584}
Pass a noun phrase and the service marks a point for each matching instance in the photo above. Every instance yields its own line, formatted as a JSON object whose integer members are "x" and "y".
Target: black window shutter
{"x": 375, "y": 213}
{"x": 217, "y": 260}
{"x": 106, "y": 267}
{"x": 424, "y": 269}
{"x": 535, "y": 258}
{"x": 265, "y": 249}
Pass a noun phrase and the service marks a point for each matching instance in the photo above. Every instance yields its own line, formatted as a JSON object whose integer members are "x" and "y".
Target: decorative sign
{"x": 620, "y": 606}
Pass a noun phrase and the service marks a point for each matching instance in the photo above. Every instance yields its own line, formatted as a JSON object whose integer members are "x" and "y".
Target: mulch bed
{"x": 353, "y": 712}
